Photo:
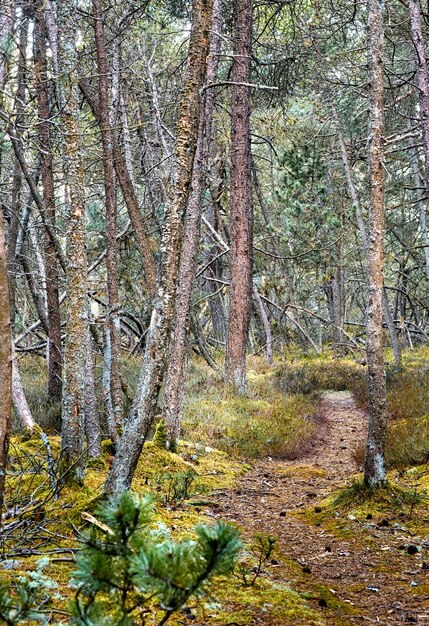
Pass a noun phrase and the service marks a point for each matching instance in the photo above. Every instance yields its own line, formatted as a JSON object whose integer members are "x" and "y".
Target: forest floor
{"x": 351, "y": 563}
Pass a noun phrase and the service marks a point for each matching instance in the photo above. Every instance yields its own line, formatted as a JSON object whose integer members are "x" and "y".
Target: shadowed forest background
{"x": 214, "y": 272}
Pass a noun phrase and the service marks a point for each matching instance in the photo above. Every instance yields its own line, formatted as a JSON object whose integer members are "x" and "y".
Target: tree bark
{"x": 364, "y": 234}
{"x": 174, "y": 384}
{"x": 19, "y": 400}
{"x": 73, "y": 416}
{"x": 92, "y": 418}
{"x": 129, "y": 194}
{"x": 112, "y": 319}
{"x": 375, "y": 473}
{"x": 52, "y": 296}
{"x": 241, "y": 213}
{"x": 5, "y": 366}
{"x": 157, "y": 344}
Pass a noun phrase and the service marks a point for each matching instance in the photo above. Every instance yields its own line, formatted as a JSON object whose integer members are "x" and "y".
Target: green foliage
{"x": 128, "y": 566}
{"x": 312, "y": 376}
{"x": 34, "y": 590}
{"x": 390, "y": 497}
{"x": 250, "y": 566}
{"x": 160, "y": 436}
{"x": 177, "y": 487}
{"x": 267, "y": 423}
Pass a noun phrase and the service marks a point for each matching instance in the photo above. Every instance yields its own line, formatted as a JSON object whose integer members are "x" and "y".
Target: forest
{"x": 214, "y": 312}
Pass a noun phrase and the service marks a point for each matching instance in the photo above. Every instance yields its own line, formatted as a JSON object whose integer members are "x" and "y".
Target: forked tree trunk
{"x": 112, "y": 318}
{"x": 375, "y": 473}
{"x": 175, "y": 377}
{"x": 157, "y": 343}
{"x": 52, "y": 297}
{"x": 73, "y": 416}
{"x": 5, "y": 366}
{"x": 241, "y": 214}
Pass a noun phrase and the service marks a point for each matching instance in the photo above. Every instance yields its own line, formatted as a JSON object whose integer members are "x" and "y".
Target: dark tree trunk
{"x": 241, "y": 213}
{"x": 112, "y": 318}
{"x": 5, "y": 366}
{"x": 52, "y": 297}
{"x": 129, "y": 194}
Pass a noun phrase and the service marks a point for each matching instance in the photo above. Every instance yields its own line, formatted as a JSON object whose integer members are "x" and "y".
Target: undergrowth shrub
{"x": 407, "y": 441}
{"x": 316, "y": 375}
{"x": 253, "y": 428}
{"x": 129, "y": 571}
{"x": 178, "y": 487}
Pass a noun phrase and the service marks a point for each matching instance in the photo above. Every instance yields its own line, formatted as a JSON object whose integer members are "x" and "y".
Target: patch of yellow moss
{"x": 303, "y": 471}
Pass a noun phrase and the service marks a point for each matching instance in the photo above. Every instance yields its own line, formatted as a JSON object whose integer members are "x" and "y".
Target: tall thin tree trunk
{"x": 19, "y": 400}
{"x": 157, "y": 343}
{"x": 112, "y": 318}
{"x": 129, "y": 194}
{"x": 364, "y": 234}
{"x": 265, "y": 324}
{"x": 375, "y": 473}
{"x": 19, "y": 106}
{"x": 241, "y": 213}
{"x": 174, "y": 384}
{"x": 73, "y": 417}
{"x": 52, "y": 296}
{"x": 423, "y": 91}
{"x": 5, "y": 366}
{"x": 92, "y": 418}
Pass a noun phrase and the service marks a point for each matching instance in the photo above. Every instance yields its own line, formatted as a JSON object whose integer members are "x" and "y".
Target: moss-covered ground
{"x": 284, "y": 460}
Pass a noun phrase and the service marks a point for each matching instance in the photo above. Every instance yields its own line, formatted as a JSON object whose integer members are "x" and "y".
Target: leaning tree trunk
{"x": 157, "y": 343}
{"x": 73, "y": 416}
{"x": 375, "y": 473}
{"x": 241, "y": 214}
{"x": 5, "y": 366}
{"x": 112, "y": 317}
{"x": 47, "y": 174}
{"x": 177, "y": 359}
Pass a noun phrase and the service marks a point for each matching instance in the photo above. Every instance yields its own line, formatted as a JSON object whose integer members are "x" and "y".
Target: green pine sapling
{"x": 129, "y": 567}
{"x": 129, "y": 570}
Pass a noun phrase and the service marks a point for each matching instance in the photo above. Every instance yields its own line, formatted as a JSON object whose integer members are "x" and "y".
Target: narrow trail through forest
{"x": 364, "y": 577}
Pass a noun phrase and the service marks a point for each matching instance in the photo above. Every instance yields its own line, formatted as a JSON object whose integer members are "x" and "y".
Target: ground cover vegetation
{"x": 214, "y": 268}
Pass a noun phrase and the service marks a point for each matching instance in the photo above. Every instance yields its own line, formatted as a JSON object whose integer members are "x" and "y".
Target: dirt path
{"x": 364, "y": 577}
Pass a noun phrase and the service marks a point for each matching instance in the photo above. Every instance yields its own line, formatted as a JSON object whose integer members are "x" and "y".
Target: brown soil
{"x": 362, "y": 576}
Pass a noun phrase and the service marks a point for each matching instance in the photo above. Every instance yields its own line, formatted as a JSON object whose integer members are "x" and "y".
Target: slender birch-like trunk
{"x": 19, "y": 400}
{"x": 157, "y": 343}
{"x": 73, "y": 416}
{"x": 241, "y": 213}
{"x": 375, "y": 472}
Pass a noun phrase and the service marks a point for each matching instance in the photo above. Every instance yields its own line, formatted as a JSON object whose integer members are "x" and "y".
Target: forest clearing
{"x": 214, "y": 329}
